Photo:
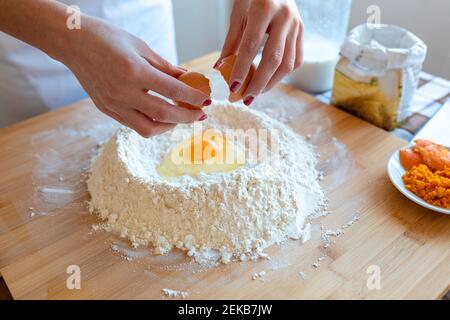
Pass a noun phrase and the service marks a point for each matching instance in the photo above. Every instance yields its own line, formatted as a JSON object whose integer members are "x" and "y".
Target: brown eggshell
{"x": 197, "y": 81}
{"x": 226, "y": 68}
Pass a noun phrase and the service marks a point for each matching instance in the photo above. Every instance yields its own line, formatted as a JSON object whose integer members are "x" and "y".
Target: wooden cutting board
{"x": 45, "y": 227}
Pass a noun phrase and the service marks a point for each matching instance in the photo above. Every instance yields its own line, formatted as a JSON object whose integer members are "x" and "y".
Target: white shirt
{"x": 32, "y": 83}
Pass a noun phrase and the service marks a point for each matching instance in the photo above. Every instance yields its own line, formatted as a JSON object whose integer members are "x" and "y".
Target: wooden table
{"x": 45, "y": 227}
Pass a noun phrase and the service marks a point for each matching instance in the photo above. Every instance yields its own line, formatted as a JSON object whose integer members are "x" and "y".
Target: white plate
{"x": 396, "y": 172}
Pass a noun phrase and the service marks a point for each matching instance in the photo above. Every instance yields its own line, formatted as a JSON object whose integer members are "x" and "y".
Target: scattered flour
{"x": 328, "y": 234}
{"x": 32, "y": 212}
{"x": 217, "y": 216}
{"x": 306, "y": 233}
{"x": 128, "y": 254}
{"x": 174, "y": 293}
{"x": 318, "y": 261}
{"x": 258, "y": 275}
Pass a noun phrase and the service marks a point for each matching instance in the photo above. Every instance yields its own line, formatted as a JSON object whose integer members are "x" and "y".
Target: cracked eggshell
{"x": 226, "y": 67}
{"x": 197, "y": 81}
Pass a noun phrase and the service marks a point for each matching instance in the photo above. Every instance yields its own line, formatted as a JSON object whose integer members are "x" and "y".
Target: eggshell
{"x": 197, "y": 81}
{"x": 226, "y": 68}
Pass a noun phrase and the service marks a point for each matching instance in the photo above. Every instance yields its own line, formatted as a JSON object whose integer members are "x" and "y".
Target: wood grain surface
{"x": 45, "y": 226}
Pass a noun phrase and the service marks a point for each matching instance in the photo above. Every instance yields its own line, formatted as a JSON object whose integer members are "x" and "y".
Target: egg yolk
{"x": 206, "y": 152}
{"x": 202, "y": 150}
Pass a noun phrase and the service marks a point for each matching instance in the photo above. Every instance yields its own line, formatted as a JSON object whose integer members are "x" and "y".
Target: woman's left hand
{"x": 283, "y": 52}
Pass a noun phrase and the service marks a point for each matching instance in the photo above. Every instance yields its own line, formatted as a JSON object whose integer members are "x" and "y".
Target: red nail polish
{"x": 217, "y": 64}
{"x": 207, "y": 103}
{"x": 235, "y": 86}
{"x": 248, "y": 100}
{"x": 203, "y": 117}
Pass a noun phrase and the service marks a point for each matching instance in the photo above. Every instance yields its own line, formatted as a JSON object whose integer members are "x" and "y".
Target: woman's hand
{"x": 250, "y": 21}
{"x": 117, "y": 70}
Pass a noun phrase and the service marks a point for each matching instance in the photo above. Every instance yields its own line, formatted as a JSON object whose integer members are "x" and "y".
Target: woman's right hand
{"x": 117, "y": 70}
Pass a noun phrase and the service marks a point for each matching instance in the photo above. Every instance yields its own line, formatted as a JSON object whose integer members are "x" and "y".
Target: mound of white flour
{"x": 238, "y": 214}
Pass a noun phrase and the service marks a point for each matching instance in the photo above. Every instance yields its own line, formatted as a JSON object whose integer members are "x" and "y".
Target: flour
{"x": 306, "y": 233}
{"x": 317, "y": 263}
{"x": 221, "y": 215}
{"x": 174, "y": 293}
{"x": 258, "y": 275}
{"x": 327, "y": 234}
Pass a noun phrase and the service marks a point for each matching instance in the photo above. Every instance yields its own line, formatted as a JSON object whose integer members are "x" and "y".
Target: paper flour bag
{"x": 377, "y": 74}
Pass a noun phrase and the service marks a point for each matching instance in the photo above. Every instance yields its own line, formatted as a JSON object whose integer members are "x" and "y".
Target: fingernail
{"x": 207, "y": 103}
{"x": 235, "y": 86}
{"x": 203, "y": 117}
{"x": 184, "y": 69}
{"x": 217, "y": 64}
{"x": 248, "y": 100}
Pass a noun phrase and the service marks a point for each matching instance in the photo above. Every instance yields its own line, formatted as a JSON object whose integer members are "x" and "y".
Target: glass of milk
{"x": 326, "y": 23}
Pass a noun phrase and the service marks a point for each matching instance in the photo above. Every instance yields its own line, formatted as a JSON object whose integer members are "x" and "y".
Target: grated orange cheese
{"x": 432, "y": 186}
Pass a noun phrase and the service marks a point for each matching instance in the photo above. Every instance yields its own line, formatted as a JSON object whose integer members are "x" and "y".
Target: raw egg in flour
{"x": 207, "y": 152}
